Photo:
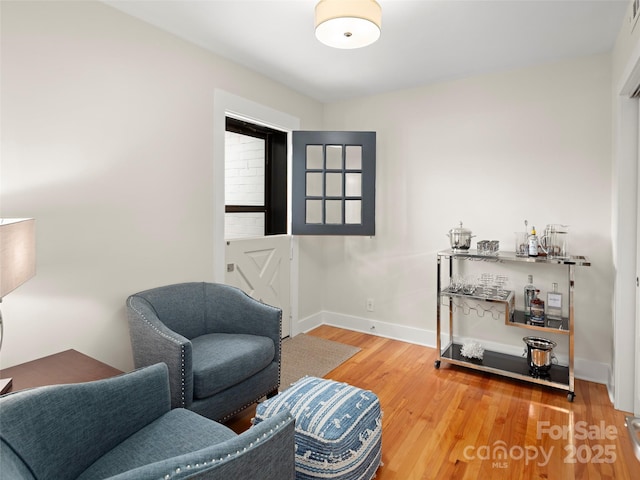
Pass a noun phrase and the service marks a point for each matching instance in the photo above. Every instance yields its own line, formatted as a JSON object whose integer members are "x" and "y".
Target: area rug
{"x": 308, "y": 355}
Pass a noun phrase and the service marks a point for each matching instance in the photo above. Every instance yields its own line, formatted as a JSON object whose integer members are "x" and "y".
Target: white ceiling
{"x": 422, "y": 41}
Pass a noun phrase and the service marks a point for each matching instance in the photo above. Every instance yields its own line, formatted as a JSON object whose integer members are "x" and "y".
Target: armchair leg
{"x": 272, "y": 393}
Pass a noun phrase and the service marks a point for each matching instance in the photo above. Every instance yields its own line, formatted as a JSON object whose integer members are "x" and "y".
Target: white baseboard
{"x": 584, "y": 369}
{"x": 307, "y": 324}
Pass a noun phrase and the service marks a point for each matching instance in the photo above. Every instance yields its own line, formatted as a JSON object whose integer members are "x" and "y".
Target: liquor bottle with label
{"x": 554, "y": 303}
{"x": 537, "y": 310}
{"x": 533, "y": 243}
{"x": 529, "y": 293}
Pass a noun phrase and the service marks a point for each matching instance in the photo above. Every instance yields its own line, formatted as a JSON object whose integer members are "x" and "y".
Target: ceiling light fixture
{"x": 348, "y": 23}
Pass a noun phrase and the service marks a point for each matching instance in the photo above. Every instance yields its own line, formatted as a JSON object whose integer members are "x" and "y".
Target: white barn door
{"x": 261, "y": 267}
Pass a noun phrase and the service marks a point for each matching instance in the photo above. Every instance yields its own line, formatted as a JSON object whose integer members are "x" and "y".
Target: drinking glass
{"x": 522, "y": 244}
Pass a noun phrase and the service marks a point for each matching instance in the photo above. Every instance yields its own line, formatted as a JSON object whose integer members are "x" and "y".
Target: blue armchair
{"x": 123, "y": 428}
{"x": 222, "y": 347}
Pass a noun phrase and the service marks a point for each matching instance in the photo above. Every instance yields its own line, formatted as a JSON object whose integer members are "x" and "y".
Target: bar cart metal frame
{"x": 517, "y": 367}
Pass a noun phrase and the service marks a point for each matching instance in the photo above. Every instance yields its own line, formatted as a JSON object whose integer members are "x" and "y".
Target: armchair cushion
{"x": 222, "y": 360}
{"x": 177, "y": 433}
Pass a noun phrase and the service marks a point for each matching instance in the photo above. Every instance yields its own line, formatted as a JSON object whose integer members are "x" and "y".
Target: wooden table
{"x": 69, "y": 366}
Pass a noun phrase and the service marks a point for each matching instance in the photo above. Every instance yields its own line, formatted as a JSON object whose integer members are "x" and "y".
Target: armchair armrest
{"x": 153, "y": 342}
{"x": 265, "y": 451}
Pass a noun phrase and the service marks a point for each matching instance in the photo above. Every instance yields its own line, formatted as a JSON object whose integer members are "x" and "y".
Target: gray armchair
{"x": 222, "y": 347}
{"x": 123, "y": 428}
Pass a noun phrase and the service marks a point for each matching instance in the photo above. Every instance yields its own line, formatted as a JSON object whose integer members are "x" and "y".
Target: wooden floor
{"x": 454, "y": 423}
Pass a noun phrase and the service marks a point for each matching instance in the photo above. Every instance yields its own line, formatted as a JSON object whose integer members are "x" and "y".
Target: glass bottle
{"x": 537, "y": 310}
{"x": 533, "y": 243}
{"x": 529, "y": 293}
{"x": 554, "y": 303}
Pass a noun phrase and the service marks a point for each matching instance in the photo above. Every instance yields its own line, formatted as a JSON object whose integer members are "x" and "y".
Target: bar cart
{"x": 517, "y": 367}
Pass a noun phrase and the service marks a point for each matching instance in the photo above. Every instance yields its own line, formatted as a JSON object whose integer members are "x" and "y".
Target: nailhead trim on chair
{"x": 172, "y": 339}
{"x": 229, "y": 415}
{"x": 177, "y": 470}
{"x": 280, "y": 347}
{"x": 182, "y": 376}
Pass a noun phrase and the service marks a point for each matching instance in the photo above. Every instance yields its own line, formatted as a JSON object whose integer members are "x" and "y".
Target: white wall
{"x": 107, "y": 140}
{"x": 491, "y": 151}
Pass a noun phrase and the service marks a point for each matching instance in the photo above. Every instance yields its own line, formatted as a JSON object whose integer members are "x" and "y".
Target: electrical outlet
{"x": 370, "y": 305}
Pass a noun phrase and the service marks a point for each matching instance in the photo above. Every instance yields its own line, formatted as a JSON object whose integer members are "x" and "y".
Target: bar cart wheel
{"x": 571, "y": 396}
{"x": 436, "y": 364}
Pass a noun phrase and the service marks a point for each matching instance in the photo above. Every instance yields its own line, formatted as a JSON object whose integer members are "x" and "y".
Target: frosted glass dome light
{"x": 348, "y": 23}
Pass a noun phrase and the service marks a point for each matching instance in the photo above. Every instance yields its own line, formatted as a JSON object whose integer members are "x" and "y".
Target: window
{"x": 334, "y": 176}
{"x": 255, "y": 180}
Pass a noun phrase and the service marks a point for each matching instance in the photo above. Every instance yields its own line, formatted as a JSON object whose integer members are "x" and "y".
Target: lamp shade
{"x": 348, "y": 23}
{"x": 17, "y": 252}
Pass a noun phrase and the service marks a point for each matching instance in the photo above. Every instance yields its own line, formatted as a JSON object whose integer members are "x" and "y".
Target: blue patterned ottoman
{"x": 338, "y": 428}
